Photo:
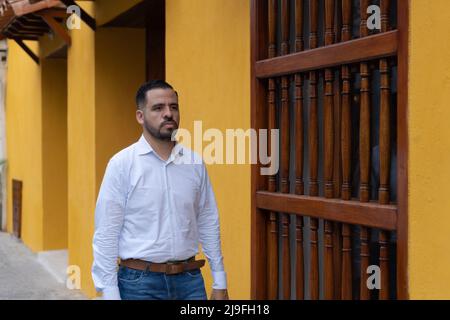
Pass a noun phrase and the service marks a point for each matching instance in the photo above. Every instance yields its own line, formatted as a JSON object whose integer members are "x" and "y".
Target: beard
{"x": 158, "y": 133}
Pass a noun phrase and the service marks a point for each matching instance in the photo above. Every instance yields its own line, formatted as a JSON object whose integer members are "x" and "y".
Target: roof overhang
{"x": 21, "y": 19}
{"x": 23, "y": 7}
{"x": 30, "y": 19}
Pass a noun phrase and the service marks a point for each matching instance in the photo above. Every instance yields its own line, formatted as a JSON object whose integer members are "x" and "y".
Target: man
{"x": 154, "y": 207}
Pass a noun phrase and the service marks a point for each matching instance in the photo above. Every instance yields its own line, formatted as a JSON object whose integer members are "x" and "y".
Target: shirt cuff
{"x": 219, "y": 279}
{"x": 111, "y": 293}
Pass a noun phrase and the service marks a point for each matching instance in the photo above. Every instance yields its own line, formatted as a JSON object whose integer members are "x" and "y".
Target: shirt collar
{"x": 143, "y": 147}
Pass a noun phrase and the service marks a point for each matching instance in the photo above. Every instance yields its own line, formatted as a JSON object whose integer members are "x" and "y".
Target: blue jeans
{"x": 148, "y": 285}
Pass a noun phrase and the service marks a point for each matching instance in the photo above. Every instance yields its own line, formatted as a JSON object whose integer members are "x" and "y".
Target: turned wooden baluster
{"x": 313, "y": 154}
{"x": 285, "y": 155}
{"x": 364, "y": 257}
{"x": 364, "y": 153}
{"x": 337, "y": 165}
{"x": 385, "y": 149}
{"x": 299, "y": 186}
{"x": 299, "y": 269}
{"x": 346, "y": 286}
{"x": 346, "y": 277}
{"x": 272, "y": 228}
{"x": 329, "y": 151}
{"x": 328, "y": 104}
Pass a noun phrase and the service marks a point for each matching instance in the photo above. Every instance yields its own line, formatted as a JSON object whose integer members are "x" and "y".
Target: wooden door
{"x": 17, "y": 207}
{"x": 336, "y": 89}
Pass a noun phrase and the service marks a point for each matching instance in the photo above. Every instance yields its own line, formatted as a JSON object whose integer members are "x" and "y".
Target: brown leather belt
{"x": 171, "y": 267}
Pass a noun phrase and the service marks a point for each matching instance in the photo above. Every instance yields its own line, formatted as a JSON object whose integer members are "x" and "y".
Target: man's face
{"x": 160, "y": 117}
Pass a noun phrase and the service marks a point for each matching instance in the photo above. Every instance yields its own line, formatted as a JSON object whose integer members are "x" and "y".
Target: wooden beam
{"x": 22, "y": 37}
{"x": 27, "y": 50}
{"x": 56, "y": 27}
{"x": 28, "y": 24}
{"x": 31, "y": 18}
{"x": 351, "y": 212}
{"x": 84, "y": 15}
{"x": 21, "y": 26}
{"x": 364, "y": 49}
{"x": 56, "y": 13}
{"x": 15, "y": 30}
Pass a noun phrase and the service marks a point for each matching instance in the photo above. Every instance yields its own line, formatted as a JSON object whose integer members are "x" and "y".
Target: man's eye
{"x": 157, "y": 108}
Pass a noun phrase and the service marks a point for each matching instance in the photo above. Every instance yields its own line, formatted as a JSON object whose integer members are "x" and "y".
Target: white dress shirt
{"x": 154, "y": 210}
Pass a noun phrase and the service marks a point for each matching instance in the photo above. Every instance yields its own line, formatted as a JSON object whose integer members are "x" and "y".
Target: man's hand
{"x": 219, "y": 294}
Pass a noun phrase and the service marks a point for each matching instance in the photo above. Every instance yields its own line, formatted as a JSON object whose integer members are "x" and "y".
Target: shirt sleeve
{"x": 209, "y": 231}
{"x": 109, "y": 213}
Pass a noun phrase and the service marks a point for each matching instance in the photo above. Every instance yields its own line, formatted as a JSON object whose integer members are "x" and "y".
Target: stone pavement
{"x": 22, "y": 277}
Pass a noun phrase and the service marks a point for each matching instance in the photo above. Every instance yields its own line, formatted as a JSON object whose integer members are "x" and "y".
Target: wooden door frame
{"x": 402, "y": 149}
{"x": 258, "y": 33}
{"x": 155, "y": 38}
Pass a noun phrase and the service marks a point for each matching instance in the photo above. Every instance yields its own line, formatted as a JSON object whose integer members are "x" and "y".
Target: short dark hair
{"x": 141, "y": 94}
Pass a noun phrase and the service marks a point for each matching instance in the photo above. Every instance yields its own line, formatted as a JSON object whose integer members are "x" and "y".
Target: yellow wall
{"x": 106, "y": 10}
{"x": 54, "y": 144}
{"x": 208, "y": 63}
{"x": 101, "y": 109}
{"x": 104, "y": 71}
{"x": 81, "y": 149}
{"x": 24, "y": 141}
{"x": 429, "y": 150}
{"x": 120, "y": 70}
{"x": 36, "y": 142}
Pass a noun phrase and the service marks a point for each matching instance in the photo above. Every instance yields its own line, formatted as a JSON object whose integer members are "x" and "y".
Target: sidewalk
{"x": 22, "y": 277}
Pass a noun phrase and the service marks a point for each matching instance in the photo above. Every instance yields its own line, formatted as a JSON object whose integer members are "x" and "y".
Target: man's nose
{"x": 167, "y": 114}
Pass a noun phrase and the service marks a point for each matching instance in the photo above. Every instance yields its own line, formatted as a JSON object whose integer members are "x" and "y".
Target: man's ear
{"x": 140, "y": 116}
